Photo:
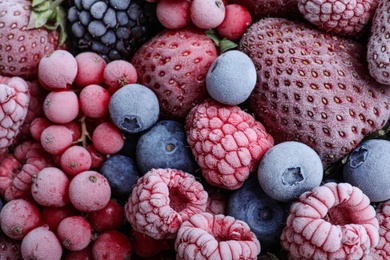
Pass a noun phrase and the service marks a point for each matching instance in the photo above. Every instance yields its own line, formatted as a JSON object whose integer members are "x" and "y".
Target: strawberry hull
{"x": 313, "y": 87}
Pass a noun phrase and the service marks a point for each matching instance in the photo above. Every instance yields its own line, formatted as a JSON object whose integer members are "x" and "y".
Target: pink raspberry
{"x": 333, "y": 221}
{"x": 162, "y": 199}
{"x": 208, "y": 236}
{"x": 227, "y": 142}
{"x": 14, "y": 102}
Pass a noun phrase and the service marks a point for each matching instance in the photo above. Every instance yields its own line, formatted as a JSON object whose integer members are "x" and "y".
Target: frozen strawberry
{"x": 14, "y": 102}
{"x": 378, "y": 46}
{"x": 174, "y": 65}
{"x": 333, "y": 221}
{"x": 227, "y": 142}
{"x": 9, "y": 248}
{"x": 344, "y": 18}
{"x": 28, "y": 38}
{"x": 313, "y": 87}
{"x": 162, "y": 199}
{"x": 208, "y": 236}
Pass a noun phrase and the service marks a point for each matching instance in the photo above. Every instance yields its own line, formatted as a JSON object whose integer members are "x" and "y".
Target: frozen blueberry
{"x": 165, "y": 146}
{"x": 134, "y": 108}
{"x": 288, "y": 169}
{"x": 231, "y": 78}
{"x": 122, "y": 174}
{"x": 264, "y": 215}
{"x": 368, "y": 168}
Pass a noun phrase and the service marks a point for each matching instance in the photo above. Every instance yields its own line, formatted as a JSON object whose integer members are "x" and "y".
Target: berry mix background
{"x": 194, "y": 129}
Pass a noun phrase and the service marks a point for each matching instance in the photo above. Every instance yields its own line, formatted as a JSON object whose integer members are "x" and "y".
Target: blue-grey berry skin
{"x": 289, "y": 169}
{"x": 265, "y": 216}
{"x": 368, "y": 168}
{"x": 134, "y": 108}
{"x": 231, "y": 78}
{"x": 122, "y": 174}
{"x": 165, "y": 146}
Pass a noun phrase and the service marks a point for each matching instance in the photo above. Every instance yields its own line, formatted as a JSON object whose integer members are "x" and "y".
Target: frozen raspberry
{"x": 217, "y": 201}
{"x": 14, "y": 102}
{"x": 227, "y": 142}
{"x": 41, "y": 243}
{"x": 112, "y": 244}
{"x": 50, "y": 187}
{"x": 208, "y": 236}
{"x": 90, "y": 68}
{"x": 89, "y": 191}
{"x": 74, "y": 232}
{"x": 162, "y": 199}
{"x": 18, "y": 217}
{"x": 333, "y": 221}
{"x": 57, "y": 70}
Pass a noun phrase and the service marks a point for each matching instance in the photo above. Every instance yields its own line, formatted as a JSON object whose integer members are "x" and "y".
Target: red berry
{"x": 97, "y": 157}
{"x": 74, "y": 233}
{"x": 52, "y": 216}
{"x": 207, "y": 14}
{"x": 236, "y": 22}
{"x": 37, "y": 126}
{"x": 112, "y": 245}
{"x": 75, "y": 159}
{"x": 50, "y": 187}
{"x": 61, "y": 107}
{"x": 173, "y": 14}
{"x": 94, "y": 101}
{"x": 146, "y": 246}
{"x": 75, "y": 127}
{"x": 89, "y": 191}
{"x": 107, "y": 138}
{"x": 84, "y": 254}
{"x": 18, "y": 217}
{"x": 55, "y": 139}
{"x": 90, "y": 68}
{"x": 119, "y": 73}
{"x": 111, "y": 216}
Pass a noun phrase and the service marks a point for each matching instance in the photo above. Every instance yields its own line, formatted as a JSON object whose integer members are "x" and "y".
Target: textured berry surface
{"x": 75, "y": 159}
{"x": 289, "y": 169}
{"x": 382, "y": 251}
{"x": 165, "y": 146}
{"x": 333, "y": 221}
{"x": 108, "y": 218}
{"x": 378, "y": 46}
{"x": 231, "y": 238}
{"x": 313, "y": 87}
{"x": 227, "y": 142}
{"x": 236, "y": 22}
{"x": 366, "y": 168}
{"x": 90, "y": 68}
{"x": 162, "y": 200}
{"x": 174, "y": 14}
{"x": 61, "y": 107}
{"x": 94, "y": 101}
{"x": 174, "y": 64}
{"x": 74, "y": 233}
{"x": 9, "y": 248}
{"x": 207, "y": 14}
{"x": 119, "y": 73}
{"x": 107, "y": 138}
{"x": 344, "y": 18}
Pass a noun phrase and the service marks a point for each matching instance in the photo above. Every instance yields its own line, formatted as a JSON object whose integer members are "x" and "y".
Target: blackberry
{"x": 114, "y": 29}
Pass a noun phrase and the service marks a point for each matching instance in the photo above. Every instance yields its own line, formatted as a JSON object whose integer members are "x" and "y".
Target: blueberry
{"x": 122, "y": 174}
{"x": 231, "y": 78}
{"x": 165, "y": 146}
{"x": 368, "y": 168}
{"x": 288, "y": 169}
{"x": 134, "y": 108}
{"x": 264, "y": 215}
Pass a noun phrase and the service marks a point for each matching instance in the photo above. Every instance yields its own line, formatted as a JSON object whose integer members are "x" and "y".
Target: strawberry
{"x": 29, "y": 27}
{"x": 9, "y": 248}
{"x": 378, "y": 46}
{"x": 174, "y": 65}
{"x": 344, "y": 18}
{"x": 313, "y": 87}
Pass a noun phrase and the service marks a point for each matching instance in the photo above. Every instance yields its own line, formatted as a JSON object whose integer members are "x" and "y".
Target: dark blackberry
{"x": 115, "y": 29}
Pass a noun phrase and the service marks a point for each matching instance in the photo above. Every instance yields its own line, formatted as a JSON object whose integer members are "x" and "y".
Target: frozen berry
{"x": 236, "y": 22}
{"x": 119, "y": 73}
{"x": 174, "y": 14}
{"x": 89, "y": 191}
{"x": 37, "y": 126}
{"x": 231, "y": 78}
{"x": 18, "y": 217}
{"x": 55, "y": 139}
{"x": 74, "y": 233}
{"x": 107, "y": 138}
{"x": 207, "y": 14}
{"x": 110, "y": 217}
{"x": 134, "y": 108}
{"x": 75, "y": 159}
{"x": 165, "y": 145}
{"x": 57, "y": 70}
{"x": 90, "y": 68}
{"x": 145, "y": 246}
{"x": 50, "y": 187}
{"x": 9, "y": 248}
{"x": 61, "y": 107}
{"x": 112, "y": 245}
{"x": 52, "y": 216}
{"x": 41, "y": 243}
{"x": 94, "y": 101}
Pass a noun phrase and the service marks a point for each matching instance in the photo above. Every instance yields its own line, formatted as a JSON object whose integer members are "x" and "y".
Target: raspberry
{"x": 162, "y": 199}
{"x": 227, "y": 142}
{"x": 18, "y": 217}
{"x": 208, "y": 236}
{"x": 61, "y": 107}
{"x": 89, "y": 191}
{"x": 55, "y": 139}
{"x": 50, "y": 187}
{"x": 90, "y": 68}
{"x": 333, "y": 221}
{"x": 94, "y": 101}
{"x": 75, "y": 159}
{"x": 74, "y": 232}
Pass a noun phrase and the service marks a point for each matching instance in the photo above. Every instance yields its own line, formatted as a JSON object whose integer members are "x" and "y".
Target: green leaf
{"x": 225, "y": 45}
{"x": 38, "y": 19}
{"x": 41, "y": 7}
{"x": 38, "y": 2}
{"x": 212, "y": 34}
